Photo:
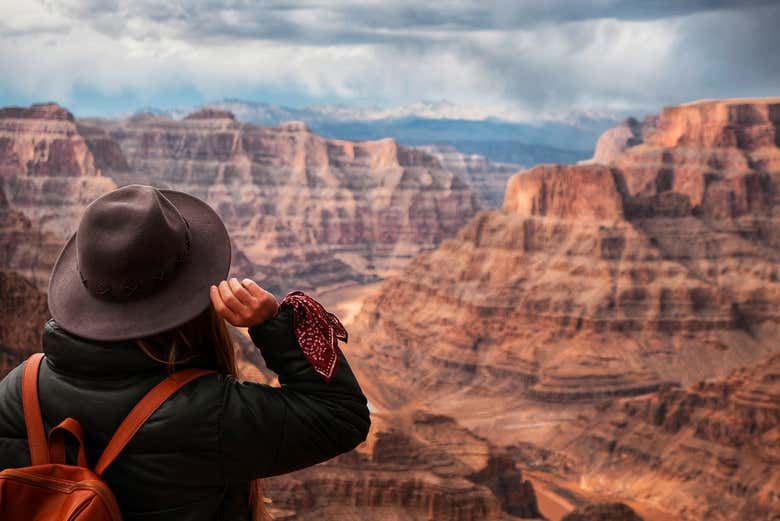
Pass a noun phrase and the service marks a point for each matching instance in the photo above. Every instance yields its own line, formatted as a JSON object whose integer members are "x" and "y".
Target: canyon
{"x": 608, "y": 334}
{"x": 302, "y": 210}
{"x": 645, "y": 271}
{"x": 414, "y": 466}
{"x": 709, "y": 451}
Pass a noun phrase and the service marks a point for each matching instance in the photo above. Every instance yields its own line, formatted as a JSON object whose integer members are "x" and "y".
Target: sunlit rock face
{"x": 303, "y": 210}
{"x": 594, "y": 298}
{"x": 710, "y": 451}
{"x": 599, "y": 280}
{"x": 46, "y": 168}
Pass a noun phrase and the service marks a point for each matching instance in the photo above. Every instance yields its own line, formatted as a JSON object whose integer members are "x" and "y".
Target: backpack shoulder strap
{"x": 142, "y": 411}
{"x": 36, "y": 434}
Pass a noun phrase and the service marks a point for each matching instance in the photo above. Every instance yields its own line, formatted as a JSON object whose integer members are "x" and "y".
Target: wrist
{"x": 270, "y": 313}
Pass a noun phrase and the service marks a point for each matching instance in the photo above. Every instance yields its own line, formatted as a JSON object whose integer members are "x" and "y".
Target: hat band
{"x": 133, "y": 289}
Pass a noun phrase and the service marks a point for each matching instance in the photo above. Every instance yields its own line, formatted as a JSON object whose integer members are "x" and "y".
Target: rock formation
{"x": 303, "y": 210}
{"x": 23, "y": 311}
{"x": 597, "y": 281}
{"x": 416, "y": 467}
{"x": 487, "y": 178}
{"x": 47, "y": 171}
{"x": 711, "y": 451}
{"x": 24, "y": 247}
{"x": 603, "y": 512}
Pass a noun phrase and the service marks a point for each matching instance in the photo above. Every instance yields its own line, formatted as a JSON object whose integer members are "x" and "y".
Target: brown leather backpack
{"x": 50, "y": 489}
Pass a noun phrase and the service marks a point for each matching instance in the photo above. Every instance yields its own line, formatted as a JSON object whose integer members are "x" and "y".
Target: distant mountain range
{"x": 499, "y": 137}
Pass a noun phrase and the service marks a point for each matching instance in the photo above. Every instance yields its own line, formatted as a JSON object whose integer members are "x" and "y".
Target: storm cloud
{"x": 531, "y": 58}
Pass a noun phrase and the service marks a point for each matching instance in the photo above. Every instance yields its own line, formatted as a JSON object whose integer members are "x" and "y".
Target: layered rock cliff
{"x": 303, "y": 210}
{"x": 656, "y": 270}
{"x": 710, "y": 451}
{"x": 417, "y": 466}
{"x": 23, "y": 311}
{"x": 46, "y": 168}
{"x": 599, "y": 280}
{"x": 24, "y": 247}
{"x": 603, "y": 512}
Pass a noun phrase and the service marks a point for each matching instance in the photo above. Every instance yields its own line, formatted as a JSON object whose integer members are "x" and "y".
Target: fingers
{"x": 253, "y": 288}
{"x": 241, "y": 293}
{"x": 243, "y": 303}
{"x": 230, "y": 299}
{"x": 220, "y": 307}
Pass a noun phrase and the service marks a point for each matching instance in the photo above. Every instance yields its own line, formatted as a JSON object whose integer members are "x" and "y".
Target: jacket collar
{"x": 77, "y": 356}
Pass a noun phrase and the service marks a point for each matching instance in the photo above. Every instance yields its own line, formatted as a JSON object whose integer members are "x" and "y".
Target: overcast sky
{"x": 532, "y": 58}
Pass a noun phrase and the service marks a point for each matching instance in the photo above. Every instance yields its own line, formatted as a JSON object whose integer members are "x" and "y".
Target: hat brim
{"x": 182, "y": 298}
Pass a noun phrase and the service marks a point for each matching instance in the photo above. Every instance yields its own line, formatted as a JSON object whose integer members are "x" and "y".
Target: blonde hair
{"x": 206, "y": 336}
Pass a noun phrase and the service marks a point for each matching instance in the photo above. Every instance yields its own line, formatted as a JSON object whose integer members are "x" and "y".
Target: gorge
{"x": 609, "y": 333}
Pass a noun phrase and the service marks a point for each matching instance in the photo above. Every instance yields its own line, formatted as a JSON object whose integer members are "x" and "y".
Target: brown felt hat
{"x": 141, "y": 262}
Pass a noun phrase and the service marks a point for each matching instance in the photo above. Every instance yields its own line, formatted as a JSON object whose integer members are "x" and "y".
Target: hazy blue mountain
{"x": 470, "y": 130}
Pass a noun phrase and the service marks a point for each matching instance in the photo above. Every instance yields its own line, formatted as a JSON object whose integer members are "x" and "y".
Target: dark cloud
{"x": 354, "y": 22}
{"x": 539, "y": 56}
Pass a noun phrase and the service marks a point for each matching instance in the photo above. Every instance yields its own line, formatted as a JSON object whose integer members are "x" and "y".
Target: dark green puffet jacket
{"x": 194, "y": 458}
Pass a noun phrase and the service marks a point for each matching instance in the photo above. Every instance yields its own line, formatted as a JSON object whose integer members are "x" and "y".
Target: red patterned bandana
{"x": 318, "y": 332}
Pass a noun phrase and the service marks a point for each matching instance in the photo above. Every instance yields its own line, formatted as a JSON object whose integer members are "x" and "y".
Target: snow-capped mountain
{"x": 496, "y": 132}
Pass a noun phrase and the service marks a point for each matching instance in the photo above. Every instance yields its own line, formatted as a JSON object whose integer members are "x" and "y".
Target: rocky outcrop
{"x": 487, "y": 178}
{"x": 635, "y": 278}
{"x": 603, "y": 512}
{"x": 417, "y": 467}
{"x": 595, "y": 281}
{"x": 23, "y": 311}
{"x": 303, "y": 210}
{"x": 47, "y": 170}
{"x": 24, "y": 247}
{"x": 711, "y": 451}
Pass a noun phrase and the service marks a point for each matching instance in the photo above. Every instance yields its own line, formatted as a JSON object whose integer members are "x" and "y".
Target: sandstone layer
{"x": 24, "y": 247}
{"x": 711, "y": 451}
{"x": 302, "y": 210}
{"x": 603, "y": 512}
{"x": 413, "y": 466}
{"x": 597, "y": 281}
{"x": 47, "y": 171}
{"x": 23, "y": 310}
{"x": 600, "y": 280}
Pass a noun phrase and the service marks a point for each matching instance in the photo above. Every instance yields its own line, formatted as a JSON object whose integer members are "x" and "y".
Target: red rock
{"x": 46, "y": 168}
{"x": 565, "y": 192}
{"x": 24, "y": 311}
{"x": 421, "y": 466}
{"x": 711, "y": 451}
{"x": 596, "y": 281}
{"x": 306, "y": 211}
{"x": 603, "y": 512}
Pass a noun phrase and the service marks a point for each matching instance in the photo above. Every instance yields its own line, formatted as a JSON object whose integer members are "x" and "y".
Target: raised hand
{"x": 243, "y": 304}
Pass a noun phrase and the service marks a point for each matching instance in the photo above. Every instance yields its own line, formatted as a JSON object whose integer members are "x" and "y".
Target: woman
{"x": 138, "y": 292}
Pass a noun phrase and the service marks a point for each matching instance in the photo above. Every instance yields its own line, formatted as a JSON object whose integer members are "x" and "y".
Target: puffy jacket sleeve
{"x": 267, "y": 430}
